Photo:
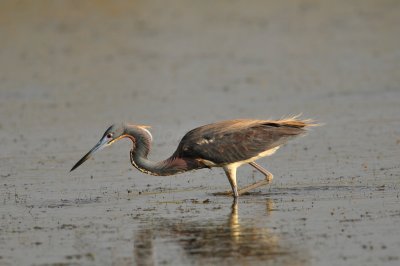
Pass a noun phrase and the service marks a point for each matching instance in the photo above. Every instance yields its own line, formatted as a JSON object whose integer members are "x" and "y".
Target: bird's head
{"x": 112, "y": 134}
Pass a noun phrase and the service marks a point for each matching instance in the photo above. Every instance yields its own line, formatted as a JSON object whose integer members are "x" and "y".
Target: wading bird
{"x": 227, "y": 144}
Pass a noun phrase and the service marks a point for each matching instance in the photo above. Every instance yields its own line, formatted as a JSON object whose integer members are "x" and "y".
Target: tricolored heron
{"x": 227, "y": 144}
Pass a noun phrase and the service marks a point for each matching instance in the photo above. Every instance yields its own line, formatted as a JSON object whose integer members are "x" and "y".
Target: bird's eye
{"x": 109, "y": 135}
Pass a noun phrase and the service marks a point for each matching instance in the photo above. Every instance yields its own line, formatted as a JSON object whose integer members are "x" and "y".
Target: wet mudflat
{"x": 70, "y": 69}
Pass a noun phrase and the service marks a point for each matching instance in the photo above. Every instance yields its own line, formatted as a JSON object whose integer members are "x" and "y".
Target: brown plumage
{"x": 237, "y": 140}
{"x": 228, "y": 144}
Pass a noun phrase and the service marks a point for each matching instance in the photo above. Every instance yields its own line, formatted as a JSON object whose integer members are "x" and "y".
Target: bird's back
{"x": 238, "y": 140}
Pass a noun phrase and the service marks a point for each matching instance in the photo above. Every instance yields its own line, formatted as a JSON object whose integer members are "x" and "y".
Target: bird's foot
{"x": 245, "y": 189}
{"x": 223, "y": 193}
{"x": 254, "y": 186}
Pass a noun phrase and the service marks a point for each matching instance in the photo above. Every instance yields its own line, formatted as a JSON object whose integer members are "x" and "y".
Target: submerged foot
{"x": 254, "y": 186}
{"x": 243, "y": 190}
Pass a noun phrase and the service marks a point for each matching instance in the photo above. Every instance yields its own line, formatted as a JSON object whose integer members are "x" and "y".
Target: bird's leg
{"x": 230, "y": 172}
{"x": 267, "y": 180}
{"x": 265, "y": 172}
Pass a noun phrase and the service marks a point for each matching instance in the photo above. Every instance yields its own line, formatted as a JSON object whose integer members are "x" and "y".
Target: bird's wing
{"x": 235, "y": 140}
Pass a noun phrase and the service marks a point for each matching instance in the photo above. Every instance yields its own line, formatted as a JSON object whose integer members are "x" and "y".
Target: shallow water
{"x": 70, "y": 69}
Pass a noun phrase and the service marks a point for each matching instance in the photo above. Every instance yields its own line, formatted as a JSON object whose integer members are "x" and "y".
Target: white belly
{"x": 255, "y": 158}
{"x": 252, "y": 159}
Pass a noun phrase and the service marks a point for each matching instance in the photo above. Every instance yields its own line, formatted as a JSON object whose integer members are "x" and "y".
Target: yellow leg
{"x": 265, "y": 172}
{"x": 231, "y": 173}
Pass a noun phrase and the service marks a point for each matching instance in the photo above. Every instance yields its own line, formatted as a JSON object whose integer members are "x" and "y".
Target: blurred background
{"x": 91, "y": 63}
{"x": 69, "y": 69}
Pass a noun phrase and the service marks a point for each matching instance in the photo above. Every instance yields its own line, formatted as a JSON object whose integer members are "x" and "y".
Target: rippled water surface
{"x": 68, "y": 69}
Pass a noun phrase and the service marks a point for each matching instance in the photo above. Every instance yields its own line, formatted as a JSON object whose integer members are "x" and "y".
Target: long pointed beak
{"x": 100, "y": 145}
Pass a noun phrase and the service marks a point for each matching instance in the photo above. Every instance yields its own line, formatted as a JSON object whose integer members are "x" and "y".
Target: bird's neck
{"x": 142, "y": 139}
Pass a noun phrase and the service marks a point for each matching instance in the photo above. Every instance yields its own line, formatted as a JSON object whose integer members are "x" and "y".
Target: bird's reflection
{"x": 216, "y": 241}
